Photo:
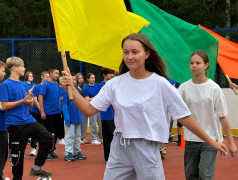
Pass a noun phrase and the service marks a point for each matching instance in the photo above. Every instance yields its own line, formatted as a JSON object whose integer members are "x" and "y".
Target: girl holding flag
{"x": 142, "y": 98}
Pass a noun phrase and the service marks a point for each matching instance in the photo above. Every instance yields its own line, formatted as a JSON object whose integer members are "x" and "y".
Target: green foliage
{"x": 32, "y": 18}
{"x": 25, "y": 19}
{"x": 209, "y": 13}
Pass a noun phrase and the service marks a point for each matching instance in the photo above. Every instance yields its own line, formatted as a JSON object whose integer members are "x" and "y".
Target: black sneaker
{"x": 40, "y": 172}
{"x": 49, "y": 157}
{"x": 54, "y": 155}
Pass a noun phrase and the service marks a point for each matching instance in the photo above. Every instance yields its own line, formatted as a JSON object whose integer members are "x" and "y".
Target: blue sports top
{"x": 51, "y": 100}
{"x": 109, "y": 114}
{"x": 36, "y": 92}
{"x": 91, "y": 91}
{"x": 74, "y": 114}
{"x": 12, "y": 91}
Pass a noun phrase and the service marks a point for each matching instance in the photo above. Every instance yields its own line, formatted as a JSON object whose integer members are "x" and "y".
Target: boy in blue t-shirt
{"x": 107, "y": 117}
{"x": 49, "y": 100}
{"x": 3, "y": 129}
{"x": 16, "y": 101}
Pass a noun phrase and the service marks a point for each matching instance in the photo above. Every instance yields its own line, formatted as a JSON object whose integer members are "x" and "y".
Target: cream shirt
{"x": 207, "y": 103}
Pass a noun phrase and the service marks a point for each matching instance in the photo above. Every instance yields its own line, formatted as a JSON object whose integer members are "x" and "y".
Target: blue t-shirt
{"x": 36, "y": 92}
{"x": 91, "y": 91}
{"x": 28, "y": 86}
{"x": 51, "y": 100}
{"x": 62, "y": 90}
{"x": 2, "y": 119}
{"x": 12, "y": 91}
{"x": 174, "y": 82}
{"x": 109, "y": 113}
{"x": 74, "y": 114}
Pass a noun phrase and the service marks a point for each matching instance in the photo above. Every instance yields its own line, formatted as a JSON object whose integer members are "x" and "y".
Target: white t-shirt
{"x": 207, "y": 103}
{"x": 141, "y": 106}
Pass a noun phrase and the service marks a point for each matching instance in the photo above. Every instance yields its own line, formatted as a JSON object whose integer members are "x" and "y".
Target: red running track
{"x": 93, "y": 167}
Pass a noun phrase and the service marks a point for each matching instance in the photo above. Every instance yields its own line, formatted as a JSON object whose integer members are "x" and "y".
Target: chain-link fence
{"x": 41, "y": 54}
{"x": 232, "y": 35}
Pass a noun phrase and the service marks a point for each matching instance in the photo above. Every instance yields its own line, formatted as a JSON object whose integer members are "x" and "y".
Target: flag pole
{"x": 66, "y": 68}
{"x": 228, "y": 79}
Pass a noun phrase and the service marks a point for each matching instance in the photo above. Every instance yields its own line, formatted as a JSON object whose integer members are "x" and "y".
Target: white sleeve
{"x": 220, "y": 103}
{"x": 103, "y": 99}
{"x": 176, "y": 106}
{"x": 1, "y": 105}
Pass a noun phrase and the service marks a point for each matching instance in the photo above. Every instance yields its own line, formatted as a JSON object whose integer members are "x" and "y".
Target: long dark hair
{"x": 153, "y": 63}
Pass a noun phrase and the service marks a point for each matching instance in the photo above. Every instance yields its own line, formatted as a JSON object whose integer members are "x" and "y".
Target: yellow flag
{"x": 92, "y": 30}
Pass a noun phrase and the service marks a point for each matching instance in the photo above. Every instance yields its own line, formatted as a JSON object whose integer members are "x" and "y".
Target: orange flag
{"x": 227, "y": 55}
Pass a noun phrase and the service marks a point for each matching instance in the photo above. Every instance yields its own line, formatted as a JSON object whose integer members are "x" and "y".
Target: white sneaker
{"x": 61, "y": 141}
{"x": 33, "y": 152}
{"x": 81, "y": 141}
{"x": 85, "y": 141}
{"x": 95, "y": 142}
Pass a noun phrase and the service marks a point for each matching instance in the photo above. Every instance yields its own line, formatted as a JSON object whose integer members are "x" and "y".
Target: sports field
{"x": 93, "y": 167}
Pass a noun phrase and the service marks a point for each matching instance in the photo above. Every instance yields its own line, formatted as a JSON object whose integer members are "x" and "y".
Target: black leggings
{"x": 18, "y": 136}
{"x": 55, "y": 125}
{"x": 3, "y": 150}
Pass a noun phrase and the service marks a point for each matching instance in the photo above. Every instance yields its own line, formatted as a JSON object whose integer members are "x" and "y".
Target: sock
{"x": 179, "y": 137}
{"x": 37, "y": 168}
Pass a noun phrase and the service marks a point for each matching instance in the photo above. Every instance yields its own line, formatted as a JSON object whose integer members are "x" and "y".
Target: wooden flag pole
{"x": 228, "y": 79}
{"x": 65, "y": 66}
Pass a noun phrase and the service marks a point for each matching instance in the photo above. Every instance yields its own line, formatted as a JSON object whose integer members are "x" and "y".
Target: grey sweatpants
{"x": 134, "y": 159}
{"x": 93, "y": 121}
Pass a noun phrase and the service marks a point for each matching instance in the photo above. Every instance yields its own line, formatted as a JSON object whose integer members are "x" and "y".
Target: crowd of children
{"x": 44, "y": 114}
{"x": 133, "y": 112}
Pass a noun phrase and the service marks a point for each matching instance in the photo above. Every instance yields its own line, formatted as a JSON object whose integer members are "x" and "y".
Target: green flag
{"x": 175, "y": 40}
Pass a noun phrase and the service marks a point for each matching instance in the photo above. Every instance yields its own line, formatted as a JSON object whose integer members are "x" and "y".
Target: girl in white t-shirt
{"x": 142, "y": 98}
{"x": 207, "y": 104}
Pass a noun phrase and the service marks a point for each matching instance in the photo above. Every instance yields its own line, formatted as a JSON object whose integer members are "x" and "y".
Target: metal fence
{"x": 40, "y": 54}
{"x": 232, "y": 35}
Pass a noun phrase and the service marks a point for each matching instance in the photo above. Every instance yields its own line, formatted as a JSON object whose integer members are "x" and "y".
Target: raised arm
{"x": 6, "y": 105}
{"x": 82, "y": 104}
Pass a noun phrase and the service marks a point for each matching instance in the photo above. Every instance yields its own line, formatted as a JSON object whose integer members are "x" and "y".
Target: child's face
{"x": 2, "y": 73}
{"x": 91, "y": 79}
{"x": 134, "y": 55}
{"x": 45, "y": 77}
{"x": 197, "y": 65}
{"x": 74, "y": 80}
{"x": 30, "y": 77}
{"x": 54, "y": 75}
{"x": 80, "y": 80}
{"x": 108, "y": 76}
{"x": 20, "y": 70}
